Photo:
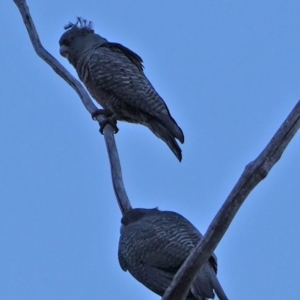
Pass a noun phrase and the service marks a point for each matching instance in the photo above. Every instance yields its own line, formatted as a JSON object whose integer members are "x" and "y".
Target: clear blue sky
{"x": 229, "y": 72}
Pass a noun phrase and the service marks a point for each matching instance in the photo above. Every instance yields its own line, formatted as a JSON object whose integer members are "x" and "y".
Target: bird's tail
{"x": 163, "y": 133}
{"x": 206, "y": 283}
{"x": 172, "y": 126}
{"x": 218, "y": 289}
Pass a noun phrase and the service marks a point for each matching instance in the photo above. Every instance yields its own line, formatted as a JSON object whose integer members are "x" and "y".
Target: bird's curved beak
{"x": 63, "y": 50}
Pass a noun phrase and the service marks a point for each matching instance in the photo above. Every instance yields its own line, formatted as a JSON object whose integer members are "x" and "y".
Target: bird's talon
{"x": 111, "y": 122}
{"x": 116, "y": 130}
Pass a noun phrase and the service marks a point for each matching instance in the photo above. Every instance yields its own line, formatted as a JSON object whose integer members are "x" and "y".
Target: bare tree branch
{"x": 112, "y": 151}
{"x": 254, "y": 172}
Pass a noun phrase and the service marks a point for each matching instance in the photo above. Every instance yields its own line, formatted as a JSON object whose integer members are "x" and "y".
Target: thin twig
{"x": 112, "y": 151}
{"x": 252, "y": 175}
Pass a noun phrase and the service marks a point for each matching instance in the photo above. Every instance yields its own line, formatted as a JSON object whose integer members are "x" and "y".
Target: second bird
{"x": 114, "y": 76}
{"x": 154, "y": 244}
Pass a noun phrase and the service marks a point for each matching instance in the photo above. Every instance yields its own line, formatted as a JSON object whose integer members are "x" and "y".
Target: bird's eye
{"x": 66, "y": 42}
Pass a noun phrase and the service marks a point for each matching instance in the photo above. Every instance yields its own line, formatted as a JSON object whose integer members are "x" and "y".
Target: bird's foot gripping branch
{"x": 109, "y": 118}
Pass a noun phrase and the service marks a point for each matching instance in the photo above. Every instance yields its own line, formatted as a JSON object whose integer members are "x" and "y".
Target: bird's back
{"x": 117, "y": 81}
{"x": 153, "y": 249}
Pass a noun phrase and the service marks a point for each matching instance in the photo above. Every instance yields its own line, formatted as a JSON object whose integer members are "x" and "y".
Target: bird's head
{"x": 137, "y": 214}
{"x": 77, "y": 39}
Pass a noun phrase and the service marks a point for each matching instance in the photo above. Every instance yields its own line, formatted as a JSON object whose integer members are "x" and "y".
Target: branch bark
{"x": 115, "y": 166}
{"x": 254, "y": 172}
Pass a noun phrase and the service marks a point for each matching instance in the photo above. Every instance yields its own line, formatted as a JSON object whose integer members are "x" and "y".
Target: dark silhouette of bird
{"x": 114, "y": 76}
{"x": 154, "y": 244}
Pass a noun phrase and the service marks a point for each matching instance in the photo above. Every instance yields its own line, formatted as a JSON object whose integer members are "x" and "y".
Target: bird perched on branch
{"x": 114, "y": 76}
{"x": 154, "y": 244}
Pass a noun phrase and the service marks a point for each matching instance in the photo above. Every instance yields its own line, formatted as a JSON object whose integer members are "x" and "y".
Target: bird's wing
{"x": 153, "y": 278}
{"x": 168, "y": 240}
{"x": 155, "y": 242}
{"x": 136, "y": 59}
{"x": 213, "y": 262}
{"x": 193, "y": 233}
{"x": 118, "y": 72}
{"x": 189, "y": 236}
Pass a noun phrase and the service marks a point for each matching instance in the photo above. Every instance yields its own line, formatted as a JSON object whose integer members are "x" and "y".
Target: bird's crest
{"x": 80, "y": 24}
